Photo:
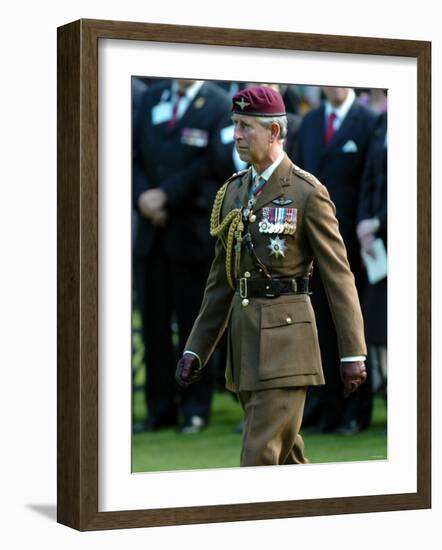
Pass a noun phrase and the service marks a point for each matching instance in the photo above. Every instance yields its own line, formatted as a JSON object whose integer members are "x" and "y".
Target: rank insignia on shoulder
{"x": 237, "y": 175}
{"x": 278, "y": 220}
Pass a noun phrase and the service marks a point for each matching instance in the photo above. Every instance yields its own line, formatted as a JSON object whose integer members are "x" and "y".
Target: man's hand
{"x": 366, "y": 233}
{"x": 152, "y": 202}
{"x": 188, "y": 370}
{"x": 367, "y": 243}
{"x": 353, "y": 374}
{"x": 367, "y": 227}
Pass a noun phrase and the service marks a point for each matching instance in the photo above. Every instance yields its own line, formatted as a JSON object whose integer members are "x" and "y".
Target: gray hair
{"x": 282, "y": 122}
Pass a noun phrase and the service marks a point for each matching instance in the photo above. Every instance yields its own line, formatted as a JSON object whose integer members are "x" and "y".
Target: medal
{"x": 277, "y": 247}
{"x": 281, "y": 221}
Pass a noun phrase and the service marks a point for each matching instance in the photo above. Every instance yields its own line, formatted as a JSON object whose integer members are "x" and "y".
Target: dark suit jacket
{"x": 340, "y": 164}
{"x": 182, "y": 163}
{"x": 373, "y": 199}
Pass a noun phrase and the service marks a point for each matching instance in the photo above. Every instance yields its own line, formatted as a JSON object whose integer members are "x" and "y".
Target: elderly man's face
{"x": 252, "y": 140}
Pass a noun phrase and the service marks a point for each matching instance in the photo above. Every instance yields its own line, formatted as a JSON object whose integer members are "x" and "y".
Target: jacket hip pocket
{"x": 288, "y": 341}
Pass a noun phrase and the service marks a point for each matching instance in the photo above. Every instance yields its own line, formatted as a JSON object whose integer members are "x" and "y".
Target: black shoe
{"x": 352, "y": 427}
{"x": 193, "y": 425}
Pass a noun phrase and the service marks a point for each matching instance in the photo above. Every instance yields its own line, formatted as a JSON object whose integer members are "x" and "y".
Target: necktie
{"x": 330, "y": 130}
{"x": 172, "y": 121}
{"x": 258, "y": 185}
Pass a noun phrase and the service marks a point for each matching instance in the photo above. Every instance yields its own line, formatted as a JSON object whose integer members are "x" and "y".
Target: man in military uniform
{"x": 271, "y": 221}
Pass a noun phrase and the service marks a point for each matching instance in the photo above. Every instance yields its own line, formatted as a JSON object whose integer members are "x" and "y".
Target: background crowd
{"x": 183, "y": 151}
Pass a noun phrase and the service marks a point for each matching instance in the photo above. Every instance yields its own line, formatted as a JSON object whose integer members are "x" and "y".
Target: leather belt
{"x": 271, "y": 288}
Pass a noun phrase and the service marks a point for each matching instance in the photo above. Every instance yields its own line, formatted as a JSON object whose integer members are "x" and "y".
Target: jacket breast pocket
{"x": 288, "y": 341}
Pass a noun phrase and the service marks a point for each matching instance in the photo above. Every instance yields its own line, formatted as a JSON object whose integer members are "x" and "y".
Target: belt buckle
{"x": 272, "y": 290}
{"x": 243, "y": 287}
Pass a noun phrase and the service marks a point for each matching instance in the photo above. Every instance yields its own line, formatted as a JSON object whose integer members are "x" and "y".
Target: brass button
{"x": 245, "y": 302}
{"x": 288, "y": 320}
{"x": 247, "y": 274}
{"x": 252, "y": 218}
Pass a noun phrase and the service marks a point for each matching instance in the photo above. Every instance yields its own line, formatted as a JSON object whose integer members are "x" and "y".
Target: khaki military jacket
{"x": 273, "y": 342}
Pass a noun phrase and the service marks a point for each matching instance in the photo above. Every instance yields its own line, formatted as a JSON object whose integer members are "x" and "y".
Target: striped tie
{"x": 258, "y": 185}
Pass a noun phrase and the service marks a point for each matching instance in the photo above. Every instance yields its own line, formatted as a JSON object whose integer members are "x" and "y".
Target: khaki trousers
{"x": 272, "y": 420}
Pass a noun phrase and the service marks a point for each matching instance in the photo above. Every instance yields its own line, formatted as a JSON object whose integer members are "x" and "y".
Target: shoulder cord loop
{"x": 234, "y": 226}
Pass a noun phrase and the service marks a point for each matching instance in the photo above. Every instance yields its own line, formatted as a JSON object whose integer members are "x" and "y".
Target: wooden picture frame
{"x": 77, "y": 225}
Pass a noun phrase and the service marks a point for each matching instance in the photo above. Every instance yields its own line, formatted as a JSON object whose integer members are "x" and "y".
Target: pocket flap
{"x": 283, "y": 314}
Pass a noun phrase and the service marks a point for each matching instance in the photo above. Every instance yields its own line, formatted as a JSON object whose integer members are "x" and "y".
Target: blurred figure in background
{"x": 310, "y": 98}
{"x": 333, "y": 142}
{"x": 375, "y": 99}
{"x": 372, "y": 233}
{"x": 175, "y": 179}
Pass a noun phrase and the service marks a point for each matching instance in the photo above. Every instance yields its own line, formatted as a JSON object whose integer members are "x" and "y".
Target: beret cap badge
{"x": 242, "y": 104}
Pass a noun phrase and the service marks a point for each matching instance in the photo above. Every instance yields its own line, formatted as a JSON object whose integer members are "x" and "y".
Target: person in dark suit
{"x": 372, "y": 225}
{"x": 174, "y": 184}
{"x": 332, "y": 145}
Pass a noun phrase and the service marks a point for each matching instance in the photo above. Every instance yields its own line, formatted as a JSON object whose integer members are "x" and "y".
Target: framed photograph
{"x": 99, "y": 484}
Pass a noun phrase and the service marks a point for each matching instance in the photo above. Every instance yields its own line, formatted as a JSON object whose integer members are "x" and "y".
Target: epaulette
{"x": 306, "y": 176}
{"x": 239, "y": 174}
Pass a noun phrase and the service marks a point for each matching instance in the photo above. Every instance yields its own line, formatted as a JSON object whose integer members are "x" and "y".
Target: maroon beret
{"x": 258, "y": 101}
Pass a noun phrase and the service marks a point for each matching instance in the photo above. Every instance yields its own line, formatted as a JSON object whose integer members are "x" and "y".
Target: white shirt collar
{"x": 190, "y": 92}
{"x": 269, "y": 171}
{"x": 342, "y": 110}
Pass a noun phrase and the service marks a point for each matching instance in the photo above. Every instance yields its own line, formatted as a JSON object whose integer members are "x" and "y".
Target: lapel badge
{"x": 277, "y": 247}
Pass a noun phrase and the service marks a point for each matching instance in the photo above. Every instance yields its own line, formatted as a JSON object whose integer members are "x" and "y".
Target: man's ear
{"x": 275, "y": 132}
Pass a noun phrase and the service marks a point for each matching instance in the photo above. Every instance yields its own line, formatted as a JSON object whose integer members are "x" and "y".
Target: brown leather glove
{"x": 188, "y": 370}
{"x": 353, "y": 374}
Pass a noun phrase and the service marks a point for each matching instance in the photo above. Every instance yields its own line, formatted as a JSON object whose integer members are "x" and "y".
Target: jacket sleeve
{"x": 215, "y": 309}
{"x": 322, "y": 231}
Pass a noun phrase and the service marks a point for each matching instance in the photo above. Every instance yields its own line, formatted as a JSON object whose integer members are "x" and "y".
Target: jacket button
{"x": 252, "y": 218}
{"x": 245, "y": 302}
{"x": 247, "y": 274}
{"x": 288, "y": 320}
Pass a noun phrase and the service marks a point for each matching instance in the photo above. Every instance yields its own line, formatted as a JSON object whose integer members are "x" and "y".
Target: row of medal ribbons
{"x": 278, "y": 220}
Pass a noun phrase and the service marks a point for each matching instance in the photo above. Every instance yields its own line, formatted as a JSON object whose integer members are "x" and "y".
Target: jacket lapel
{"x": 346, "y": 129}
{"x": 190, "y": 111}
{"x": 188, "y": 114}
{"x": 243, "y": 192}
{"x": 274, "y": 187}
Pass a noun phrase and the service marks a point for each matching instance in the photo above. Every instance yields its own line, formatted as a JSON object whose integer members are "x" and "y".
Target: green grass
{"x": 219, "y": 447}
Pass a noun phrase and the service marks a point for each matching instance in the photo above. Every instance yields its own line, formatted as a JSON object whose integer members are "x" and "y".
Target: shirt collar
{"x": 342, "y": 110}
{"x": 269, "y": 171}
{"x": 190, "y": 92}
